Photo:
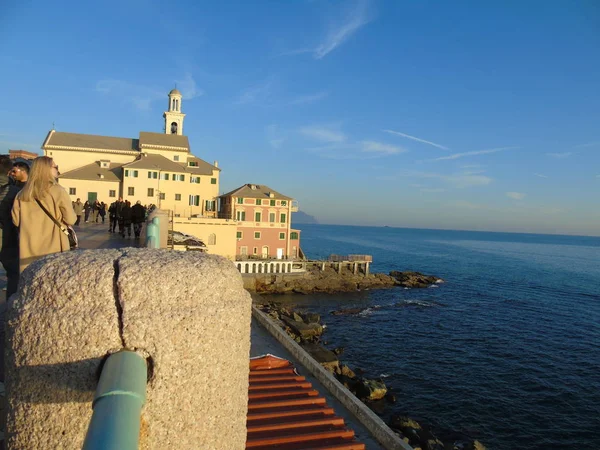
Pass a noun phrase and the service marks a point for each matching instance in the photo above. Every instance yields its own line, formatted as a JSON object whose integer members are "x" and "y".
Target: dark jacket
{"x": 138, "y": 213}
{"x": 10, "y": 233}
{"x": 126, "y": 213}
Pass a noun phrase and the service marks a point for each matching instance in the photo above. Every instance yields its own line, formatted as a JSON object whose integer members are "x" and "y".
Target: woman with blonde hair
{"x": 38, "y": 234}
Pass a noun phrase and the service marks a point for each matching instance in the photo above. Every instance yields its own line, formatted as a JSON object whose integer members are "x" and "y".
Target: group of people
{"x": 122, "y": 213}
{"x": 34, "y": 209}
{"x": 30, "y": 201}
{"x": 96, "y": 209}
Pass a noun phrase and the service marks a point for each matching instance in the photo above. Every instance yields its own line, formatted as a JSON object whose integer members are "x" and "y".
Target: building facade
{"x": 155, "y": 168}
{"x": 263, "y": 216}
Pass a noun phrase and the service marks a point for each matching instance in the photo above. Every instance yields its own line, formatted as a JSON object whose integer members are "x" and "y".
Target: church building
{"x": 154, "y": 168}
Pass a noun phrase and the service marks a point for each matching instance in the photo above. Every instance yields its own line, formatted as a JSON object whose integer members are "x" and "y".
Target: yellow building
{"x": 155, "y": 168}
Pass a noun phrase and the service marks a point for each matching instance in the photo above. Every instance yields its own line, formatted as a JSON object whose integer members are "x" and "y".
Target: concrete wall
{"x": 186, "y": 312}
{"x": 83, "y": 187}
{"x": 224, "y": 232}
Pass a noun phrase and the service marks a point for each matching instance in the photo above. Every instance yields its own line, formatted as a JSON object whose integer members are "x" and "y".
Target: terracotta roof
{"x": 255, "y": 191}
{"x": 62, "y": 139}
{"x": 286, "y": 413}
{"x": 154, "y": 161}
{"x": 203, "y": 168}
{"x": 163, "y": 140}
{"x": 93, "y": 172}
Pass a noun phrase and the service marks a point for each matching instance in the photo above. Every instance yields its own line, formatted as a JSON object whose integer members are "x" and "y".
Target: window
{"x": 255, "y": 250}
{"x": 126, "y": 172}
{"x": 294, "y": 236}
{"x": 212, "y": 239}
{"x": 240, "y": 200}
{"x": 153, "y": 175}
{"x": 272, "y": 202}
{"x": 209, "y": 205}
{"x": 195, "y": 180}
{"x": 178, "y": 197}
{"x": 193, "y": 163}
{"x": 194, "y": 200}
{"x": 271, "y": 217}
{"x": 176, "y": 158}
{"x": 258, "y": 201}
{"x": 130, "y": 191}
{"x": 281, "y": 236}
{"x": 174, "y": 177}
{"x": 72, "y": 191}
{"x": 135, "y": 174}
{"x": 241, "y": 216}
{"x": 238, "y": 235}
{"x": 164, "y": 176}
{"x": 282, "y": 218}
{"x": 213, "y": 181}
{"x": 150, "y": 192}
{"x": 181, "y": 178}
{"x": 112, "y": 193}
{"x": 257, "y": 235}
{"x": 283, "y": 203}
{"x": 257, "y": 217}
{"x": 162, "y": 195}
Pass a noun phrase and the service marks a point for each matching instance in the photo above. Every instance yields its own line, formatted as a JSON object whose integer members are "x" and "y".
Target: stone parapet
{"x": 186, "y": 312}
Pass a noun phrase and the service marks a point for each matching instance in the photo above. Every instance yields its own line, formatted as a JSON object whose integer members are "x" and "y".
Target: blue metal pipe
{"x": 153, "y": 233}
{"x": 118, "y": 402}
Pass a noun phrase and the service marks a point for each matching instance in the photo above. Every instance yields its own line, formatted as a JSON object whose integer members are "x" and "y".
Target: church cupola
{"x": 173, "y": 116}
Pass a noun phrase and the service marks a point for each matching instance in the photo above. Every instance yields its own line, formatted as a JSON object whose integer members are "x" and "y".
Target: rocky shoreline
{"x": 329, "y": 280}
{"x": 306, "y": 329}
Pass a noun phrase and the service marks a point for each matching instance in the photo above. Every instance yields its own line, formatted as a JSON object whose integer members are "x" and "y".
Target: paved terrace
{"x": 96, "y": 236}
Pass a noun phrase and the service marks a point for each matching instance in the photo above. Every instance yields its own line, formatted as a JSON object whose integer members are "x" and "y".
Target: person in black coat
{"x": 138, "y": 216}
{"x": 126, "y": 218}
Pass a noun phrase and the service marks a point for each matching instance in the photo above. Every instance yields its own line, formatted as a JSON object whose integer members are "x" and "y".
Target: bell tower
{"x": 173, "y": 116}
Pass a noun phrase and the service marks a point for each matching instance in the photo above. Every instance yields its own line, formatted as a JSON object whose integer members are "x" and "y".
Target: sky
{"x": 411, "y": 113}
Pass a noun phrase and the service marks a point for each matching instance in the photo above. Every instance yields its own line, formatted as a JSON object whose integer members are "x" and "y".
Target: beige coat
{"x": 38, "y": 234}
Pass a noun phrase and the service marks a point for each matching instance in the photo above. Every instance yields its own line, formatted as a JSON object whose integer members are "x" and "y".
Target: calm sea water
{"x": 507, "y": 350}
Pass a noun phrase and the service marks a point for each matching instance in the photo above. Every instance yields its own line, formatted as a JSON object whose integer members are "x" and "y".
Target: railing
{"x": 264, "y": 258}
{"x": 350, "y": 258}
{"x": 118, "y": 402}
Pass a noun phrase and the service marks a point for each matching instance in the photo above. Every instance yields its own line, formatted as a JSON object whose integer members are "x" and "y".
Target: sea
{"x": 506, "y": 350}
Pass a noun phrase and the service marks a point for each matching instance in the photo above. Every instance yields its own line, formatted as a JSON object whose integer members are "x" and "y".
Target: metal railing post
{"x": 118, "y": 402}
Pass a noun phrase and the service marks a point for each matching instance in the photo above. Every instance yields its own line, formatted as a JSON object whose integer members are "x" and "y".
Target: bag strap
{"x": 58, "y": 224}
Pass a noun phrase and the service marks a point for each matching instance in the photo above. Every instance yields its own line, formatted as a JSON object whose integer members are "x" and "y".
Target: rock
{"x": 311, "y": 317}
{"x": 478, "y": 445}
{"x": 433, "y": 444}
{"x": 300, "y": 291}
{"x": 371, "y": 389}
{"x": 341, "y": 312}
{"x": 404, "y": 422}
{"x": 391, "y": 398}
{"x": 414, "y": 279}
{"x": 346, "y": 371}
{"x": 297, "y": 317}
{"x": 305, "y": 331}
{"x": 338, "y": 350}
{"x": 325, "y": 357}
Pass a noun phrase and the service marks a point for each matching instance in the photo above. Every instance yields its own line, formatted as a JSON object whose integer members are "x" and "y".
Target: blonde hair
{"x": 40, "y": 179}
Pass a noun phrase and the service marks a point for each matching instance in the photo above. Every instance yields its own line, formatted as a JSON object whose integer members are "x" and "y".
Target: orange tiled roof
{"x": 286, "y": 413}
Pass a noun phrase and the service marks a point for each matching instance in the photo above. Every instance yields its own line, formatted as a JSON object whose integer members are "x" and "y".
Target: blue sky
{"x": 464, "y": 115}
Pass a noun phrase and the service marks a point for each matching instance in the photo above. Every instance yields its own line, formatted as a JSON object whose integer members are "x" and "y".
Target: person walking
{"x": 38, "y": 234}
{"x": 78, "y": 208}
{"x": 86, "y": 209}
{"x": 138, "y": 216}
{"x": 9, "y": 255}
{"x": 126, "y": 217}
{"x": 102, "y": 211}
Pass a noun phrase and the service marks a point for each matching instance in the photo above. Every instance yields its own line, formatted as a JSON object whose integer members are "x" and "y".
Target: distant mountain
{"x": 302, "y": 217}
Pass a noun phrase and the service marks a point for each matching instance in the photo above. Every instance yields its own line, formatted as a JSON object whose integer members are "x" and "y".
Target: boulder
{"x": 325, "y": 357}
{"x": 297, "y": 317}
{"x": 371, "y": 389}
{"x": 311, "y": 317}
{"x": 305, "y": 331}
{"x": 346, "y": 371}
{"x": 414, "y": 279}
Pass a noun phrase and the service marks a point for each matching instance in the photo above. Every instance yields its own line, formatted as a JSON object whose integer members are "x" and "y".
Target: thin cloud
{"x": 378, "y": 147}
{"x": 589, "y": 144}
{"x": 255, "y": 93}
{"x": 414, "y": 138}
{"x": 475, "y": 153}
{"x": 141, "y": 97}
{"x": 357, "y": 18}
{"x": 515, "y": 195}
{"x": 274, "y": 136}
{"x": 562, "y": 155}
{"x": 540, "y": 175}
{"x": 459, "y": 180}
{"x": 323, "y": 134}
{"x": 188, "y": 87}
{"x": 308, "y": 99}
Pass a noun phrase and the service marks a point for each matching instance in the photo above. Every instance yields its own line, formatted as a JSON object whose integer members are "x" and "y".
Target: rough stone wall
{"x": 186, "y": 311}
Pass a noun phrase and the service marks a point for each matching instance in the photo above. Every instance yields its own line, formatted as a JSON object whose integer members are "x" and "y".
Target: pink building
{"x": 264, "y": 222}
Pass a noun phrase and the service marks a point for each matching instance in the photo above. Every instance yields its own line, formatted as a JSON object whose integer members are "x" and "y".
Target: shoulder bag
{"x": 66, "y": 229}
